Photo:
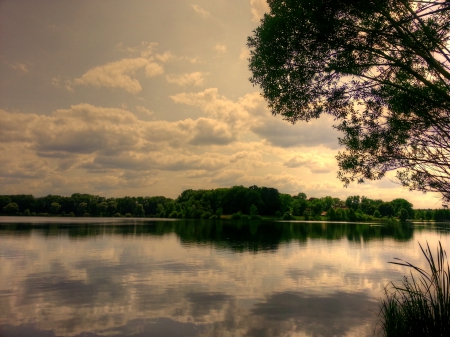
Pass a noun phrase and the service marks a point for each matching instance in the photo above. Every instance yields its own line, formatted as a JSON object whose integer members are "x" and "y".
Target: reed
{"x": 420, "y": 306}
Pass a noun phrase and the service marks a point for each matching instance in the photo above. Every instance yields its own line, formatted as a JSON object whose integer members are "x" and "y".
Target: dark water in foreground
{"x": 134, "y": 277}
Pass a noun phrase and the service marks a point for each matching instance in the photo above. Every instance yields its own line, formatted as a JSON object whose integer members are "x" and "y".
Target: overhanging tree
{"x": 381, "y": 68}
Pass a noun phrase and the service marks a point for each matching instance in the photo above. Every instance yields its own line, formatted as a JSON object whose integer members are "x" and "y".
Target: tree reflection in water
{"x": 197, "y": 278}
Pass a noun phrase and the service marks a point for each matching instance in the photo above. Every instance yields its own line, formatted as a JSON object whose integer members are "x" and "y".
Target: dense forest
{"x": 236, "y": 202}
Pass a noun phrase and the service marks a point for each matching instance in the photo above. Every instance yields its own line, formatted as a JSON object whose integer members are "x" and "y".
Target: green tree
{"x": 317, "y": 206}
{"x": 298, "y": 206}
{"x": 301, "y": 196}
{"x": 112, "y": 207}
{"x": 400, "y": 203}
{"x": 139, "y": 211}
{"x": 160, "y": 212}
{"x": 285, "y": 202}
{"x": 341, "y": 214}
{"x": 328, "y": 203}
{"x": 306, "y": 215}
{"x": 331, "y": 214}
{"x": 403, "y": 214}
{"x": 429, "y": 215}
{"x": 368, "y": 206}
{"x": 386, "y": 209}
{"x": 253, "y": 210}
{"x": 419, "y": 215}
{"x": 352, "y": 215}
{"x": 219, "y": 212}
{"x": 82, "y": 208}
{"x": 54, "y": 208}
{"x": 102, "y": 208}
{"x": 380, "y": 68}
{"x": 12, "y": 208}
{"x": 377, "y": 214}
{"x": 353, "y": 202}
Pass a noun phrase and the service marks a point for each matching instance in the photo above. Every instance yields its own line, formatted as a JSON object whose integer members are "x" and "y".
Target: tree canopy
{"x": 381, "y": 68}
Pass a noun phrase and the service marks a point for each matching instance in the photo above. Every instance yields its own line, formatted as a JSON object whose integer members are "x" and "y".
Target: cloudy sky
{"x": 137, "y": 97}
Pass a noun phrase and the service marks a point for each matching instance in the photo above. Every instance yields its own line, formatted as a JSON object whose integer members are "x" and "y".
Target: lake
{"x": 148, "y": 277}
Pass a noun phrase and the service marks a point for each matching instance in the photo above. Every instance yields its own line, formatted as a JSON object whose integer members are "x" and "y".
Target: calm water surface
{"x": 135, "y": 277}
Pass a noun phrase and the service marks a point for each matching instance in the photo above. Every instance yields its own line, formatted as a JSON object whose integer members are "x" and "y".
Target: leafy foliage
{"x": 381, "y": 68}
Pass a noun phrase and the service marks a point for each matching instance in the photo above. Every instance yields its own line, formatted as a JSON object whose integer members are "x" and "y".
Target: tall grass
{"x": 420, "y": 306}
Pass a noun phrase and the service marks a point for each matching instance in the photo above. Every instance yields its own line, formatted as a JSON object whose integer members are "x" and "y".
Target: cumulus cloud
{"x": 60, "y": 82}
{"x": 142, "y": 179}
{"x": 229, "y": 177}
{"x": 235, "y": 114}
{"x": 15, "y": 126}
{"x": 196, "y": 78}
{"x": 123, "y": 74}
{"x": 259, "y": 7}
{"x": 165, "y": 57}
{"x": 208, "y": 131}
{"x": 228, "y": 146}
{"x": 110, "y": 139}
{"x": 144, "y": 111}
{"x": 25, "y": 167}
{"x": 136, "y": 162}
{"x": 124, "y": 49}
{"x": 315, "y": 161}
{"x": 285, "y": 182}
{"x": 118, "y": 75}
{"x": 238, "y": 156}
{"x": 249, "y": 113}
{"x": 280, "y": 133}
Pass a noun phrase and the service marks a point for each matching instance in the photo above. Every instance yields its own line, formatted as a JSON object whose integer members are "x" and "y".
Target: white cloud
{"x": 238, "y": 156}
{"x": 118, "y": 75}
{"x": 15, "y": 126}
{"x": 249, "y": 113}
{"x": 245, "y": 54}
{"x": 228, "y": 177}
{"x": 316, "y": 161}
{"x": 208, "y": 131}
{"x": 259, "y": 7}
{"x": 25, "y": 167}
{"x": 195, "y": 78}
{"x": 115, "y": 138}
{"x": 165, "y": 57}
{"x": 220, "y": 48}
{"x": 196, "y": 174}
{"x": 138, "y": 179}
{"x": 144, "y": 111}
{"x": 211, "y": 151}
{"x": 59, "y": 82}
{"x": 235, "y": 114}
{"x": 120, "y": 47}
{"x": 19, "y": 66}
{"x": 201, "y": 11}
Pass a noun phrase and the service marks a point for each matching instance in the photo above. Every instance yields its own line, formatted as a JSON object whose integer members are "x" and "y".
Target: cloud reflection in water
{"x": 198, "y": 278}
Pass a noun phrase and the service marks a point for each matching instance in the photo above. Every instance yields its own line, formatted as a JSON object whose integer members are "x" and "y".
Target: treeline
{"x": 238, "y": 201}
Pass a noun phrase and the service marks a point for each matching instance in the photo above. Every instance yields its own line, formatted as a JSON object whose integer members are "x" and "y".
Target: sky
{"x": 146, "y": 98}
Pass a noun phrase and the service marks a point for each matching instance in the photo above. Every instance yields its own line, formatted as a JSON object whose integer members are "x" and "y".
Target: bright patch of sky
{"x": 150, "y": 98}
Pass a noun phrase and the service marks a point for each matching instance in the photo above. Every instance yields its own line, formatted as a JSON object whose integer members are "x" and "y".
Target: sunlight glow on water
{"x": 134, "y": 277}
